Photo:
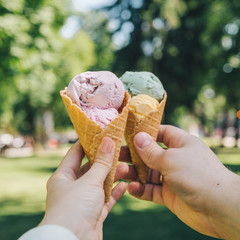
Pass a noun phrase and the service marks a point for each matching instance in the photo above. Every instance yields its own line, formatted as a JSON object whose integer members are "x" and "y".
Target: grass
{"x": 22, "y": 202}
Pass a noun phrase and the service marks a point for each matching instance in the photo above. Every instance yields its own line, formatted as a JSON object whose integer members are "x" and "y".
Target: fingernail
{"x": 142, "y": 140}
{"x": 106, "y": 146}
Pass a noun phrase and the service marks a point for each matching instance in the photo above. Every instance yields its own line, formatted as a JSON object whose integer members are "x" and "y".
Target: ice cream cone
{"x": 149, "y": 124}
{"x": 91, "y": 134}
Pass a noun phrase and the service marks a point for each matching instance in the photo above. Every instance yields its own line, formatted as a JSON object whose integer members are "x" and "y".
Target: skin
{"x": 195, "y": 185}
{"x": 75, "y": 195}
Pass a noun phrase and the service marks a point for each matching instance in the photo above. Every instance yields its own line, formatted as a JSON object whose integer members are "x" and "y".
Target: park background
{"x": 192, "y": 46}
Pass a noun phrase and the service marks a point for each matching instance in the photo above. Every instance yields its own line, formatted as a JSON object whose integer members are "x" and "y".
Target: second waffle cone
{"x": 150, "y": 124}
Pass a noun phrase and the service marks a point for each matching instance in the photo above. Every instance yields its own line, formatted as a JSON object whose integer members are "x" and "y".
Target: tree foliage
{"x": 192, "y": 46}
{"x": 36, "y": 62}
{"x": 189, "y": 44}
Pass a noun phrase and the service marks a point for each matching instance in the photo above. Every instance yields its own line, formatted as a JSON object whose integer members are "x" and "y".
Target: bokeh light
{"x": 238, "y": 114}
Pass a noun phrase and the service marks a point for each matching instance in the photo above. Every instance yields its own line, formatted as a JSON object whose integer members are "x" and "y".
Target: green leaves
{"x": 189, "y": 45}
{"x": 36, "y": 61}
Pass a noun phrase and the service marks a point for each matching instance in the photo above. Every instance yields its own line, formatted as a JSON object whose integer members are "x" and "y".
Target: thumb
{"x": 103, "y": 161}
{"x": 149, "y": 151}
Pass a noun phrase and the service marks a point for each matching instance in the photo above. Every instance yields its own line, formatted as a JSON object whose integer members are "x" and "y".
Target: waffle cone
{"x": 150, "y": 124}
{"x": 91, "y": 134}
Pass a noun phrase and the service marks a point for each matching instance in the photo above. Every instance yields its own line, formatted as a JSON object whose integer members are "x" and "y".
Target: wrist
{"x": 82, "y": 229}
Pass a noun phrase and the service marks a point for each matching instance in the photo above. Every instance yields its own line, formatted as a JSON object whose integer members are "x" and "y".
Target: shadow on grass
{"x": 122, "y": 223}
{"x": 13, "y": 226}
{"x": 157, "y": 223}
{"x": 148, "y": 224}
{"x": 234, "y": 168}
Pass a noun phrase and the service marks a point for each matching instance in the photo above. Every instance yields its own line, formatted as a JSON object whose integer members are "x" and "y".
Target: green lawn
{"x": 22, "y": 202}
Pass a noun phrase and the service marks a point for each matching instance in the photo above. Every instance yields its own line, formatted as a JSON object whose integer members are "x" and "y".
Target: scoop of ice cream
{"x": 143, "y": 83}
{"x": 101, "y": 89}
{"x": 98, "y": 94}
{"x": 101, "y": 116}
{"x": 142, "y": 105}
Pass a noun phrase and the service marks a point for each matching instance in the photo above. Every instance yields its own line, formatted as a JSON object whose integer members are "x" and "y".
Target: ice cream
{"x": 142, "y": 105}
{"x": 145, "y": 112}
{"x": 145, "y": 115}
{"x": 98, "y": 94}
{"x": 143, "y": 83}
{"x": 98, "y": 107}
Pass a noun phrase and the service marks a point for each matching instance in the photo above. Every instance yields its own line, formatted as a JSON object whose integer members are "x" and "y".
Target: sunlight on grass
{"x": 22, "y": 184}
{"x": 133, "y": 204}
{"x": 233, "y": 159}
{"x": 23, "y": 181}
{"x": 26, "y": 186}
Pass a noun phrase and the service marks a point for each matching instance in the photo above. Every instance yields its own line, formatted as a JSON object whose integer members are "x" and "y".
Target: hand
{"x": 196, "y": 186}
{"x": 75, "y": 195}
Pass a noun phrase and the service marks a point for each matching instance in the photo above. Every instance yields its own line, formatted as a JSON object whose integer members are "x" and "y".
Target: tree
{"x": 37, "y": 62}
{"x": 188, "y": 44}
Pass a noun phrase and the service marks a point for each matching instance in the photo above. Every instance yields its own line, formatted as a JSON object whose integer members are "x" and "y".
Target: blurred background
{"x": 192, "y": 46}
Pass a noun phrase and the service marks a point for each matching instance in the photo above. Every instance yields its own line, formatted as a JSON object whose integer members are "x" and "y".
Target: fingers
{"x": 150, "y": 152}
{"x": 154, "y": 176}
{"x": 172, "y": 137}
{"x": 126, "y": 172}
{"x": 73, "y": 159}
{"x": 103, "y": 161}
{"x": 117, "y": 193}
{"x": 136, "y": 189}
{"x": 149, "y": 192}
{"x": 124, "y": 155}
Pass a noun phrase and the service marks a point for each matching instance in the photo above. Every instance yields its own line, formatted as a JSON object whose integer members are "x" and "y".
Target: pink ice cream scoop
{"x": 98, "y": 94}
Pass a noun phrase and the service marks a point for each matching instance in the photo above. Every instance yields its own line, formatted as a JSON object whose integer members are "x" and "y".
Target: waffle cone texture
{"x": 150, "y": 124}
{"x": 91, "y": 134}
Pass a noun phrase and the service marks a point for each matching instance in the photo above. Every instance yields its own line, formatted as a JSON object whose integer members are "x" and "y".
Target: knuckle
{"x": 151, "y": 154}
{"x": 104, "y": 161}
{"x": 51, "y": 180}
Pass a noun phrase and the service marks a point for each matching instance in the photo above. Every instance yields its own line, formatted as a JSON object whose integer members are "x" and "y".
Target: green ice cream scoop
{"x": 143, "y": 83}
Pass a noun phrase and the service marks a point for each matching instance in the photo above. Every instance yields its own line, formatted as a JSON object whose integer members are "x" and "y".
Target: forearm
{"x": 225, "y": 211}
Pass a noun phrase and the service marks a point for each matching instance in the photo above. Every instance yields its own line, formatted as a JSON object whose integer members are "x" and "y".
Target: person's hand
{"x": 189, "y": 179}
{"x": 75, "y": 195}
